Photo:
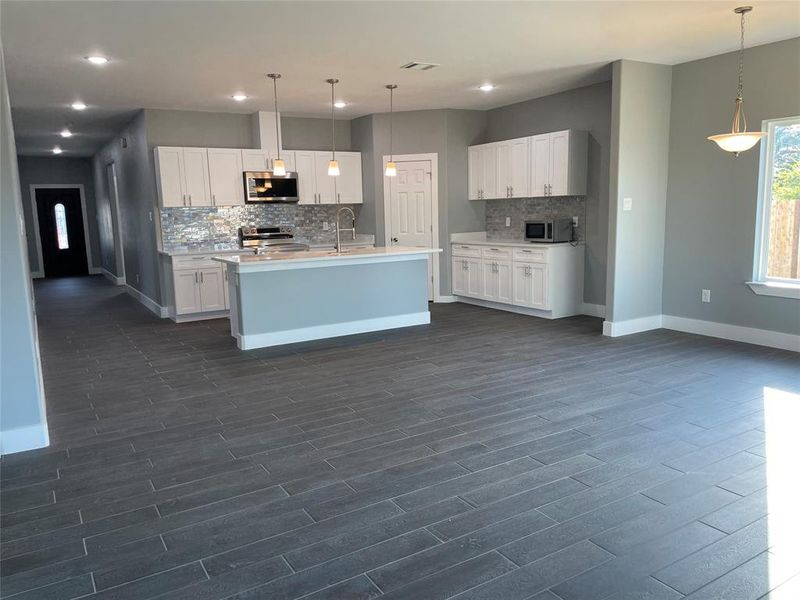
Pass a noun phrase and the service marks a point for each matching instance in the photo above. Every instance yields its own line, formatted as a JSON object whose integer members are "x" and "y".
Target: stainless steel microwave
{"x": 551, "y": 232}
{"x": 264, "y": 186}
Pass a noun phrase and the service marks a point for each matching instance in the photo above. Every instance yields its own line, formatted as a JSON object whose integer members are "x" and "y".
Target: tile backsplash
{"x": 526, "y": 209}
{"x": 194, "y": 228}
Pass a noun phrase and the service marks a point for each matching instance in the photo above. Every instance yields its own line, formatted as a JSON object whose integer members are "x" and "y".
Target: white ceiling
{"x": 193, "y": 55}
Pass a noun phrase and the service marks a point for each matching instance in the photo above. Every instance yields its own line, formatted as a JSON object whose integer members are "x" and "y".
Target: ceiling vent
{"x": 416, "y": 65}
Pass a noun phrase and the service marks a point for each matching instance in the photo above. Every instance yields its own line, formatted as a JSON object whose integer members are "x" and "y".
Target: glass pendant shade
{"x": 333, "y": 168}
{"x": 391, "y": 169}
{"x": 278, "y": 167}
{"x": 391, "y": 166}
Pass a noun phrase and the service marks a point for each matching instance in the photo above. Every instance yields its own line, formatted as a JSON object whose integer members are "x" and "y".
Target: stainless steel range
{"x": 270, "y": 238}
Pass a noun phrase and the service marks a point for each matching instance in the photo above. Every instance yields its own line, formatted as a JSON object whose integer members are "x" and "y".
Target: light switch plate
{"x": 325, "y": 226}
{"x": 508, "y": 221}
{"x": 627, "y": 204}
{"x": 705, "y": 295}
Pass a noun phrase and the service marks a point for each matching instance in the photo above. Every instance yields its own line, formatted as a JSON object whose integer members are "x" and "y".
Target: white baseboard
{"x": 594, "y": 310}
{"x": 520, "y": 310}
{"x": 24, "y": 438}
{"x": 749, "y": 335}
{"x": 95, "y": 270}
{"x": 319, "y": 332}
{"x": 217, "y": 314}
{"x": 619, "y": 328}
{"x": 37, "y": 274}
{"x": 112, "y": 278}
{"x": 445, "y": 299}
{"x": 156, "y": 309}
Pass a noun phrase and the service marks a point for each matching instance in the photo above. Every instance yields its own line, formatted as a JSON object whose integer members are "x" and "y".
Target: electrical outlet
{"x": 574, "y": 221}
{"x": 325, "y": 226}
{"x": 627, "y": 204}
{"x": 508, "y": 221}
{"x": 705, "y": 295}
{"x": 150, "y": 214}
{"x": 137, "y": 278}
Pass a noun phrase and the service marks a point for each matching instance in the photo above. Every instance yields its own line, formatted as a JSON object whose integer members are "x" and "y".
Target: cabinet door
{"x": 212, "y": 293}
{"x": 503, "y": 275}
{"x": 559, "y": 163}
{"x": 539, "y": 292}
{"x": 187, "y": 294}
{"x": 304, "y": 164}
{"x": 475, "y": 160}
{"x": 326, "y": 184}
{"x": 489, "y": 280}
{"x": 519, "y": 176}
{"x": 504, "y": 169}
{"x": 540, "y": 165}
{"x": 348, "y": 184}
{"x": 474, "y": 276}
{"x": 226, "y": 176}
{"x": 521, "y": 288}
{"x": 255, "y": 160}
{"x": 195, "y": 175}
{"x": 459, "y": 274}
{"x": 169, "y": 170}
{"x": 225, "y": 289}
{"x": 490, "y": 187}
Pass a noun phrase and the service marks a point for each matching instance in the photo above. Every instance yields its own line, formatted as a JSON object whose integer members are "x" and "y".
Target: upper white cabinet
{"x": 225, "y": 173}
{"x": 214, "y": 176}
{"x": 550, "y": 164}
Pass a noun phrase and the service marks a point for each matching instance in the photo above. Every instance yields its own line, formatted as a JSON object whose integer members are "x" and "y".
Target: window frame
{"x": 762, "y": 284}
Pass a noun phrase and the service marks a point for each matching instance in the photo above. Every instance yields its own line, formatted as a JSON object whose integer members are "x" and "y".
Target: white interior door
{"x": 411, "y": 206}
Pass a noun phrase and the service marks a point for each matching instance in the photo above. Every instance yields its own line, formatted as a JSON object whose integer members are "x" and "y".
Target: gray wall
{"x": 588, "y": 109}
{"x": 446, "y": 133}
{"x": 712, "y": 195}
{"x": 56, "y": 170}
{"x": 300, "y": 133}
{"x": 136, "y": 185}
{"x": 23, "y": 423}
{"x": 195, "y": 128}
{"x": 639, "y": 158}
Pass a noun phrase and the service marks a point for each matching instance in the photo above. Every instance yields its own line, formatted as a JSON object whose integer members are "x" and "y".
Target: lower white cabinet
{"x": 187, "y": 292}
{"x": 540, "y": 280}
{"x": 199, "y": 288}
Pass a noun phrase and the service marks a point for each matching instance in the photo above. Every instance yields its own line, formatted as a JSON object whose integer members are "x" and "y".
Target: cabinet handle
{"x": 495, "y": 249}
{"x": 225, "y": 274}
{"x": 214, "y": 199}
{"x": 338, "y": 198}
{"x": 195, "y": 276}
{"x": 190, "y": 198}
{"x": 511, "y": 191}
{"x": 201, "y": 277}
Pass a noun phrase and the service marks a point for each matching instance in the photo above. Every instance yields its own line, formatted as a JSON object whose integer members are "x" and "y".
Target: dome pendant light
{"x": 278, "y": 166}
{"x": 333, "y": 165}
{"x": 739, "y": 139}
{"x": 391, "y": 167}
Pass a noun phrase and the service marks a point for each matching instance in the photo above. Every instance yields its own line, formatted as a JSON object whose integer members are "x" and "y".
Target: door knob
{"x": 394, "y": 239}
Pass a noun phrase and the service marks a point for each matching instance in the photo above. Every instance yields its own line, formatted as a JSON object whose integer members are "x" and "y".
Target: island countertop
{"x": 319, "y": 258}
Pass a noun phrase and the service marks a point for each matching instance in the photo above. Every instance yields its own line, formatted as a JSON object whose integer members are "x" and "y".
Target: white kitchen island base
{"x": 302, "y": 296}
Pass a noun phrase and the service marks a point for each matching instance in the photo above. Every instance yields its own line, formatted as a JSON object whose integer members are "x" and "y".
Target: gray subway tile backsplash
{"x": 201, "y": 227}
{"x": 526, "y": 209}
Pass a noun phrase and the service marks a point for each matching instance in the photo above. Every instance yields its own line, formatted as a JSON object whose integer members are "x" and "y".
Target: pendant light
{"x": 391, "y": 167}
{"x": 278, "y": 166}
{"x": 333, "y": 165}
{"x": 739, "y": 139}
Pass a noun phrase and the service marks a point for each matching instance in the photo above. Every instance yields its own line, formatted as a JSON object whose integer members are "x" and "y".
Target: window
{"x": 777, "y": 259}
{"x": 61, "y": 227}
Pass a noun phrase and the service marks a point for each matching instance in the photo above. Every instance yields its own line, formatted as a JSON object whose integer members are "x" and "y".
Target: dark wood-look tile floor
{"x": 488, "y": 455}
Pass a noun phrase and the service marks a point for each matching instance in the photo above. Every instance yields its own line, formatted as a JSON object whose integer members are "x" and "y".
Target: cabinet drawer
{"x": 496, "y": 252}
{"x": 466, "y": 250}
{"x": 530, "y": 254}
{"x": 194, "y": 262}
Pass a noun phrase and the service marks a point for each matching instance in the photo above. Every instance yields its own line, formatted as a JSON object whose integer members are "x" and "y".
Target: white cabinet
{"x": 512, "y": 168}
{"x": 195, "y": 175}
{"x": 225, "y": 172}
{"x": 325, "y": 185}
{"x": 530, "y": 285}
{"x": 348, "y": 184}
{"x": 255, "y": 160}
{"x": 304, "y": 164}
{"x": 186, "y": 292}
{"x": 169, "y": 176}
{"x": 542, "y": 280}
{"x": 212, "y": 289}
{"x": 199, "y": 286}
{"x": 558, "y": 163}
{"x": 540, "y": 164}
{"x": 482, "y": 166}
{"x": 287, "y": 156}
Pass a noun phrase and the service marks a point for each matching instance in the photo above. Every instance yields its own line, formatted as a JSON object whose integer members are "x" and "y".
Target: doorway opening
{"x": 61, "y": 229}
{"x": 115, "y": 225}
{"x": 411, "y": 209}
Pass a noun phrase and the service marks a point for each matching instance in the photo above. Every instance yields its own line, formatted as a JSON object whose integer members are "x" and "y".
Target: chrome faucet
{"x": 350, "y": 229}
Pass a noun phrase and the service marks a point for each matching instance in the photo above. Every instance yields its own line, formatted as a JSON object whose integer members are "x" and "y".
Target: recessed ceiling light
{"x": 57, "y": 150}
{"x": 239, "y": 97}
{"x": 340, "y": 104}
{"x": 78, "y": 106}
{"x": 96, "y": 59}
{"x": 65, "y": 133}
{"x": 487, "y": 87}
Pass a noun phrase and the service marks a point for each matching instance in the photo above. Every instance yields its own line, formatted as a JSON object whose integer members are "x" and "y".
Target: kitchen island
{"x": 291, "y": 297}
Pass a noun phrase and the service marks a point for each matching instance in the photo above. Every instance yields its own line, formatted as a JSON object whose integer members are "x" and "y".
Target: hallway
{"x": 488, "y": 455}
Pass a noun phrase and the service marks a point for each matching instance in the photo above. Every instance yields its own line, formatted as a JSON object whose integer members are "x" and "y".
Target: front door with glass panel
{"x": 61, "y": 232}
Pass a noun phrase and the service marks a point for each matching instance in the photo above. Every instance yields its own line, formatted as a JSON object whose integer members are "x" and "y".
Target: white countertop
{"x": 519, "y": 244}
{"x": 297, "y": 259}
{"x": 204, "y": 251}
